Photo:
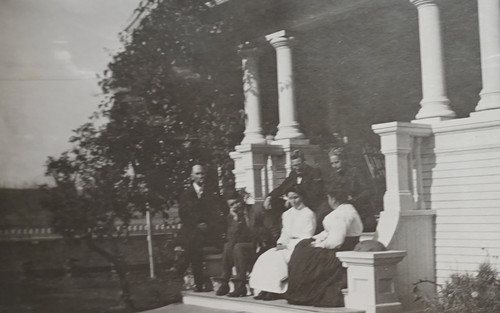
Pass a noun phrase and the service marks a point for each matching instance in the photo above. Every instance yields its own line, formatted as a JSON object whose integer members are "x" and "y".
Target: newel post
{"x": 371, "y": 280}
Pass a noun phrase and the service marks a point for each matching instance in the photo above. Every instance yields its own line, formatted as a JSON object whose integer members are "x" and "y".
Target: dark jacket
{"x": 241, "y": 230}
{"x": 193, "y": 211}
{"x": 254, "y": 229}
{"x": 360, "y": 194}
{"x": 351, "y": 180}
{"x": 312, "y": 185}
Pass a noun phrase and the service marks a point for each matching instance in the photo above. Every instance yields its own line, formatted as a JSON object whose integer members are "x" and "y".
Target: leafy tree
{"x": 175, "y": 68}
{"x": 92, "y": 201}
{"x": 169, "y": 103}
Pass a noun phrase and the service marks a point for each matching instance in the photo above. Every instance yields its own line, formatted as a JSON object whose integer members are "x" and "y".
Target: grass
{"x": 89, "y": 293}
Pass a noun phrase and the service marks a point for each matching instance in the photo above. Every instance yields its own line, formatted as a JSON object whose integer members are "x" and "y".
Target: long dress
{"x": 271, "y": 268}
{"x": 316, "y": 276}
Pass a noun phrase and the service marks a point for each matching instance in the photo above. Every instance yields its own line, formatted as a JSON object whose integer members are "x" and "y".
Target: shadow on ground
{"x": 90, "y": 293}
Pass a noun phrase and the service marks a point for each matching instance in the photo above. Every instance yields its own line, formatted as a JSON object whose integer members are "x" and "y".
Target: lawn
{"x": 90, "y": 292}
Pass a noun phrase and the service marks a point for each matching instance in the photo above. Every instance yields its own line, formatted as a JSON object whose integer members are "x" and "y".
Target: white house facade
{"x": 442, "y": 204}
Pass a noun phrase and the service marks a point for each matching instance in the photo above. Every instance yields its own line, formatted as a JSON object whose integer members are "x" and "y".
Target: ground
{"x": 89, "y": 293}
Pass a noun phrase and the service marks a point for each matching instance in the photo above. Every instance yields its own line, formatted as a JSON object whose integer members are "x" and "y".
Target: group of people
{"x": 317, "y": 217}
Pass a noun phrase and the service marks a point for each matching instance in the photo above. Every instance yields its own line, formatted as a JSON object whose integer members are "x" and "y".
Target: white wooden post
{"x": 371, "y": 280}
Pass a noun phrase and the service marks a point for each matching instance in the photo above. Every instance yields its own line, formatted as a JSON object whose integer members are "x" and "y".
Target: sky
{"x": 50, "y": 54}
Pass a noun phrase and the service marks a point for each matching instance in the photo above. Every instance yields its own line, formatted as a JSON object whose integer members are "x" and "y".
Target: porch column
{"x": 288, "y": 127}
{"x": 396, "y": 145}
{"x": 489, "y": 35}
{"x": 435, "y": 103}
{"x": 401, "y": 216}
{"x": 372, "y": 280}
{"x": 253, "y": 130}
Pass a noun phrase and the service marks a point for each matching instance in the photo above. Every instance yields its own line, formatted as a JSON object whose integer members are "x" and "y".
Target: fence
{"x": 40, "y": 249}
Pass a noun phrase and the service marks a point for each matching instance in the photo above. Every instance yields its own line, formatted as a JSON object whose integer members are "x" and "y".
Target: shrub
{"x": 465, "y": 293}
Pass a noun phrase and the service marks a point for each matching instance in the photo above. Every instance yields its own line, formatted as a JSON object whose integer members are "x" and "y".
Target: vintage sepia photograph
{"x": 205, "y": 156}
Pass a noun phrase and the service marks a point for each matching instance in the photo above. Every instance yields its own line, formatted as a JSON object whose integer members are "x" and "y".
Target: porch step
{"x": 187, "y": 308}
{"x": 250, "y": 305}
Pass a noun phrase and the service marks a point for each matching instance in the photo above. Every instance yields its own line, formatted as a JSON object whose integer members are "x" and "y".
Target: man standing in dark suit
{"x": 246, "y": 237}
{"x": 202, "y": 222}
{"x": 310, "y": 180}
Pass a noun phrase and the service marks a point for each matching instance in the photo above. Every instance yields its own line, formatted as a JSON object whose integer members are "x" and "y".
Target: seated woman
{"x": 316, "y": 276}
{"x": 270, "y": 271}
{"x": 352, "y": 181}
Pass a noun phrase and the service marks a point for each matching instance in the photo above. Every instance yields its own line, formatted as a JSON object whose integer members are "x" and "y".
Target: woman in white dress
{"x": 270, "y": 272}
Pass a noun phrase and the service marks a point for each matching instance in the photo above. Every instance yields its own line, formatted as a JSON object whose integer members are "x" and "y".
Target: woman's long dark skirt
{"x": 316, "y": 276}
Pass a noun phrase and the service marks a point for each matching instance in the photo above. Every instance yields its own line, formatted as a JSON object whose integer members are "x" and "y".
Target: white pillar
{"x": 489, "y": 35}
{"x": 396, "y": 144}
{"x": 149, "y": 238}
{"x": 401, "y": 216}
{"x": 435, "y": 103}
{"x": 288, "y": 127}
{"x": 372, "y": 280}
{"x": 253, "y": 128}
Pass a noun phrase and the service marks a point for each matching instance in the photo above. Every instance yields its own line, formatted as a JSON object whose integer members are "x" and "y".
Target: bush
{"x": 466, "y": 293}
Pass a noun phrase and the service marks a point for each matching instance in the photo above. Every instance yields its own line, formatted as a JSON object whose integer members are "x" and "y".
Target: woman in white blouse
{"x": 316, "y": 276}
{"x": 270, "y": 272}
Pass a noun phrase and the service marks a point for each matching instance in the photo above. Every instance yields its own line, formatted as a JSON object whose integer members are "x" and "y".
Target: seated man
{"x": 244, "y": 235}
{"x": 310, "y": 181}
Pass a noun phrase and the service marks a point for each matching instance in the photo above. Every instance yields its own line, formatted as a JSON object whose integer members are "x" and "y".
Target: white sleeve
{"x": 321, "y": 236}
{"x": 337, "y": 231}
{"x": 308, "y": 226}
{"x": 285, "y": 230}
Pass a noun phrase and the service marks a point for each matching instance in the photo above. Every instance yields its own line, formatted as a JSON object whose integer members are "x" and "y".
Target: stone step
{"x": 187, "y": 308}
{"x": 250, "y": 305}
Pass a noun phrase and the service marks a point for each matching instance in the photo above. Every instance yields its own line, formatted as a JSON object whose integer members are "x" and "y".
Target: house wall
{"x": 461, "y": 175}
